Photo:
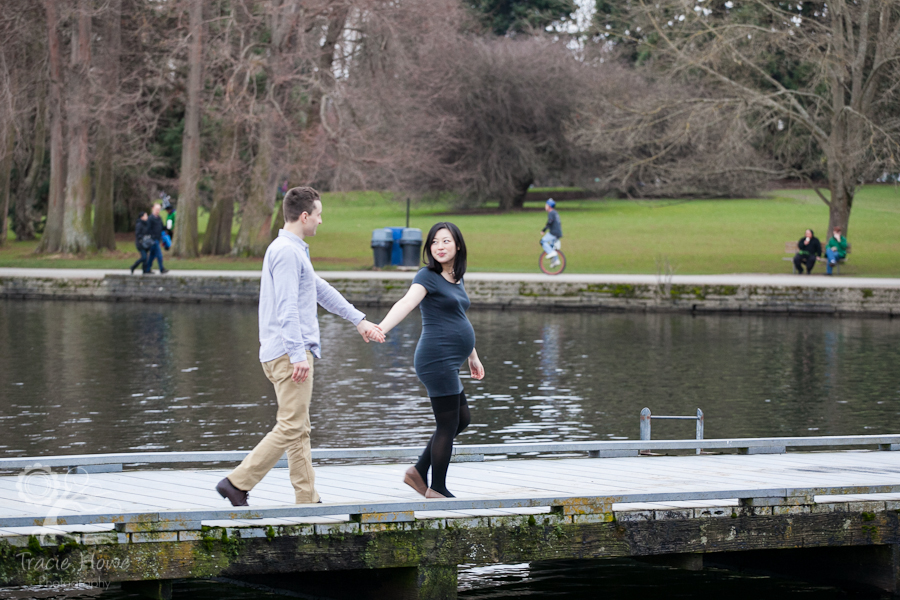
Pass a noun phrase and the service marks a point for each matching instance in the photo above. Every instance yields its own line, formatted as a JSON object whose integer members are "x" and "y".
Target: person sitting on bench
{"x": 808, "y": 248}
{"x": 836, "y": 249}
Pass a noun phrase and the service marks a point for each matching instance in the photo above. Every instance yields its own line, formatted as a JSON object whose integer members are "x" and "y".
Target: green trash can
{"x": 382, "y": 244}
{"x": 411, "y": 246}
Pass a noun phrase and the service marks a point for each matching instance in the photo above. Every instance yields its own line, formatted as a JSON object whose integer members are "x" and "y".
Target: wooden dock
{"x": 804, "y": 511}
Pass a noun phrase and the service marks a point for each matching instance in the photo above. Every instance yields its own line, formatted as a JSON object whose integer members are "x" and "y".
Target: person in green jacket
{"x": 836, "y": 249}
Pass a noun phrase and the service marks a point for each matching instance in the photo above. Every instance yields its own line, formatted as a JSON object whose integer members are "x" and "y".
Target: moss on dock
{"x": 442, "y": 542}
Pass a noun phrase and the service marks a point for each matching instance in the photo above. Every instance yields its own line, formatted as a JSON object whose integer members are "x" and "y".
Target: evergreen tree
{"x": 509, "y": 16}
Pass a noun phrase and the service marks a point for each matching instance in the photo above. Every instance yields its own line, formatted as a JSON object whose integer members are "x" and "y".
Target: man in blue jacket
{"x": 155, "y": 229}
{"x": 552, "y": 232}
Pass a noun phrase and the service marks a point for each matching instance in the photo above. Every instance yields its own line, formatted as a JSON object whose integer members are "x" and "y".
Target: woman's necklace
{"x": 448, "y": 276}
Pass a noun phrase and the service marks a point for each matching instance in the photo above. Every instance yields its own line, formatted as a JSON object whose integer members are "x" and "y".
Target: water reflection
{"x": 625, "y": 579}
{"x": 611, "y": 579}
{"x": 102, "y": 377}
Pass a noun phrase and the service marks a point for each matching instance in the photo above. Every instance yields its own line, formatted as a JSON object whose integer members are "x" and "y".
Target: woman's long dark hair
{"x": 459, "y": 263}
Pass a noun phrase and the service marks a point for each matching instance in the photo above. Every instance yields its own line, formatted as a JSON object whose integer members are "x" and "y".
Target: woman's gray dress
{"x": 447, "y": 337}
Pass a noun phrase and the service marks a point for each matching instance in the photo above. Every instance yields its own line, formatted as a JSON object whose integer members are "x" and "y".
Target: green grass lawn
{"x": 601, "y": 236}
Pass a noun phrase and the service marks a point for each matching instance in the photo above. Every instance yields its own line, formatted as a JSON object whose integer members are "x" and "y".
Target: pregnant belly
{"x": 448, "y": 347}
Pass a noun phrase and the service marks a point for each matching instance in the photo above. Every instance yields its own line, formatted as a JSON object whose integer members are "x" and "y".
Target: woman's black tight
{"x": 452, "y": 416}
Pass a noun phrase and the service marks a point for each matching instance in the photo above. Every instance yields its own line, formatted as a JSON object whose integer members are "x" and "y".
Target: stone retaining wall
{"x": 549, "y": 294}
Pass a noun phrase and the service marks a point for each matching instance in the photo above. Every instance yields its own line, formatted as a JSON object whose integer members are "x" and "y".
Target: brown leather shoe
{"x": 413, "y": 479}
{"x": 430, "y": 493}
{"x": 237, "y": 497}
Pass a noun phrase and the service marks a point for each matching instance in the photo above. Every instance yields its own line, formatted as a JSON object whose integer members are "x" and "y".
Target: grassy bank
{"x": 608, "y": 236}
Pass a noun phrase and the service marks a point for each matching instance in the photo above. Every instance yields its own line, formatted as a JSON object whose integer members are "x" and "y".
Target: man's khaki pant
{"x": 291, "y": 433}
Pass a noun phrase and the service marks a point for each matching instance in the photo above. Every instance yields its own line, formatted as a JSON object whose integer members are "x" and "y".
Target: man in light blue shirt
{"x": 289, "y": 293}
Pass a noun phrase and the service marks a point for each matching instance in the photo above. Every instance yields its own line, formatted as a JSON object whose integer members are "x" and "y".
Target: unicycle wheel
{"x": 550, "y": 267}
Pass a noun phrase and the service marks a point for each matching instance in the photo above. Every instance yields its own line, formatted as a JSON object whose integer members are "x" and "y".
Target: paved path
{"x": 182, "y": 490}
{"x": 814, "y": 281}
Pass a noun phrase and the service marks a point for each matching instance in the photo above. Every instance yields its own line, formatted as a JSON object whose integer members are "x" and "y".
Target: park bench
{"x": 791, "y": 248}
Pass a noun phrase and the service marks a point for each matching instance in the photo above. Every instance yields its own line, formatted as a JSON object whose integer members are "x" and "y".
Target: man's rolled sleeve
{"x": 286, "y": 275}
{"x": 331, "y": 300}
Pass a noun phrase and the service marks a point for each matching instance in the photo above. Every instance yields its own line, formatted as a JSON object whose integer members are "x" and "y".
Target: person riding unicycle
{"x": 552, "y": 233}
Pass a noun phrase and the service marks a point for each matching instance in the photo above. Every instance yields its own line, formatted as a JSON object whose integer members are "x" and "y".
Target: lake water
{"x": 91, "y": 377}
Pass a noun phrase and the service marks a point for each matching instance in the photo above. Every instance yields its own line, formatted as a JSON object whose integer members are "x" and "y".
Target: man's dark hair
{"x": 459, "y": 263}
{"x": 297, "y": 201}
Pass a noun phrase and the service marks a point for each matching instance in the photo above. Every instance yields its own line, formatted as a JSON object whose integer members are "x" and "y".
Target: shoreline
{"x": 697, "y": 294}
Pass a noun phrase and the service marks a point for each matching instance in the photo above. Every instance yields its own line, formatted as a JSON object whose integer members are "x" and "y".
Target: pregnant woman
{"x": 447, "y": 341}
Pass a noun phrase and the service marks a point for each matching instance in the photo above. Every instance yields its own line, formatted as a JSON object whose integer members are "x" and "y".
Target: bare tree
{"x": 52, "y": 239}
{"x": 23, "y": 69}
{"x": 255, "y": 232}
{"x": 185, "y": 242}
{"x": 224, "y": 51}
{"x": 659, "y": 138}
{"x": 285, "y": 104}
{"x": 108, "y": 63}
{"x": 218, "y": 230}
{"x": 26, "y": 195}
{"x": 7, "y": 130}
{"x": 827, "y": 71}
{"x": 451, "y": 112}
{"x": 6, "y": 162}
{"x": 77, "y": 234}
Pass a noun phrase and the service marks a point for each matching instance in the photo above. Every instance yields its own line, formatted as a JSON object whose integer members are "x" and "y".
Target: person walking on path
{"x": 170, "y": 216}
{"x": 447, "y": 341}
{"x": 143, "y": 242}
{"x": 808, "y": 248}
{"x": 552, "y": 232}
{"x": 156, "y": 228}
{"x": 289, "y": 343}
{"x": 835, "y": 249}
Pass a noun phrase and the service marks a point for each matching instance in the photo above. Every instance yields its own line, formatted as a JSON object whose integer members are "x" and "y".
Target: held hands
{"x": 476, "y": 368}
{"x": 370, "y": 331}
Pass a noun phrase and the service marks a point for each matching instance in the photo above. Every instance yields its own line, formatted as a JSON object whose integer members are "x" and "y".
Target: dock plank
{"x": 191, "y": 489}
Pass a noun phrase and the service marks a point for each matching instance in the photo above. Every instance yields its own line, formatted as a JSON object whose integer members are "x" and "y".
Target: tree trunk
{"x": 218, "y": 231}
{"x": 254, "y": 235}
{"x": 23, "y": 224}
{"x": 278, "y": 220}
{"x": 104, "y": 217}
{"x": 519, "y": 200}
{"x": 842, "y": 173}
{"x": 5, "y": 170}
{"x": 77, "y": 235}
{"x": 516, "y": 201}
{"x": 325, "y": 75}
{"x": 51, "y": 241}
{"x": 104, "y": 222}
{"x": 840, "y": 205}
{"x": 185, "y": 242}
